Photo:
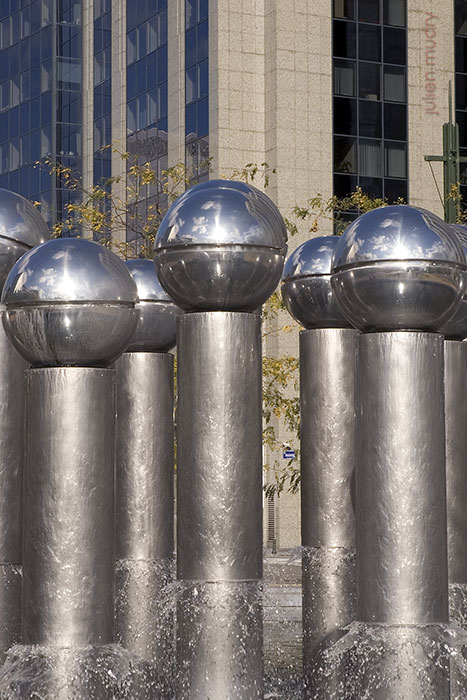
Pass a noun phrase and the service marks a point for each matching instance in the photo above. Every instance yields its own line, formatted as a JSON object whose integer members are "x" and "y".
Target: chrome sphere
{"x": 398, "y": 268}
{"x": 306, "y": 285}
{"x": 69, "y": 302}
{"x": 21, "y": 228}
{"x": 157, "y": 313}
{"x": 455, "y": 328}
{"x": 221, "y": 246}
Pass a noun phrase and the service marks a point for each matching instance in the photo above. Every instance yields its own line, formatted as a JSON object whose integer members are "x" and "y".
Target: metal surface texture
{"x": 329, "y": 598}
{"x": 221, "y": 246}
{"x": 10, "y": 607}
{"x": 70, "y": 302}
{"x": 327, "y": 410}
{"x": 219, "y": 640}
{"x": 144, "y": 611}
{"x": 69, "y": 270}
{"x": 306, "y": 285}
{"x": 219, "y": 452}
{"x": 145, "y": 457}
{"x": 68, "y": 542}
{"x": 157, "y": 314}
{"x": 398, "y": 268}
{"x": 455, "y": 369}
{"x": 455, "y": 328}
{"x": 400, "y": 479}
{"x": 223, "y": 212}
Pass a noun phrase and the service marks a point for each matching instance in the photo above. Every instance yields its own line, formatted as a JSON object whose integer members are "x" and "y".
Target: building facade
{"x": 331, "y": 94}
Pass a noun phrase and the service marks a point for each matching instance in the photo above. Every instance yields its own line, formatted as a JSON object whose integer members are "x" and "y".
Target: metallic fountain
{"x": 21, "y": 228}
{"x": 327, "y": 437}
{"x": 145, "y": 477}
{"x": 69, "y": 313}
{"x": 398, "y": 275}
{"x": 219, "y": 255}
{"x": 455, "y": 375}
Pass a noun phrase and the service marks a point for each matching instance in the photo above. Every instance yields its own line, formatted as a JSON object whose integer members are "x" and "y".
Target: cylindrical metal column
{"x": 219, "y": 500}
{"x": 145, "y": 506}
{"x": 327, "y": 407}
{"x": 402, "y": 573}
{"x": 455, "y": 388}
{"x": 12, "y": 368}
{"x": 68, "y": 545}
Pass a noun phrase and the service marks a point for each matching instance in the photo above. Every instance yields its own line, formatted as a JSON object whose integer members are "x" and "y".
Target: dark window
{"x": 344, "y": 39}
{"x": 461, "y": 54}
{"x": 370, "y": 160}
{"x": 395, "y": 159}
{"x": 394, "y": 84}
{"x": 395, "y": 12}
{"x": 345, "y": 154}
{"x": 345, "y": 116}
{"x": 395, "y": 121}
{"x": 395, "y": 189}
{"x": 373, "y": 186}
{"x": 460, "y": 17}
{"x": 344, "y": 9}
{"x": 344, "y": 77}
{"x": 369, "y": 42}
{"x": 344, "y": 185}
{"x": 395, "y": 49}
{"x": 368, "y": 11}
{"x": 369, "y": 80}
{"x": 370, "y": 119}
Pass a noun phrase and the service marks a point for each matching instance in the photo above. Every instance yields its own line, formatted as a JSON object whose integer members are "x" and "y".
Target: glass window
{"x": 395, "y": 121}
{"x": 203, "y": 117}
{"x": 395, "y": 189}
{"x": 131, "y": 116}
{"x": 394, "y": 84}
{"x": 4, "y": 95}
{"x": 191, "y": 84}
{"x": 191, "y": 14}
{"x": 344, "y": 77}
{"x": 202, "y": 42}
{"x": 370, "y": 158}
{"x": 162, "y": 64}
{"x": 14, "y": 91}
{"x": 461, "y": 91}
{"x": 370, "y": 119}
{"x": 190, "y": 120}
{"x": 368, "y": 11}
{"x": 395, "y": 48}
{"x": 68, "y": 74}
{"x": 344, "y": 185}
{"x": 395, "y": 160}
{"x": 345, "y": 154}
{"x": 372, "y": 186}
{"x": 345, "y": 116}
{"x": 35, "y": 16}
{"x": 369, "y": 42}
{"x": 162, "y": 101}
{"x": 131, "y": 46}
{"x": 460, "y": 17}
{"x": 24, "y": 86}
{"x": 344, "y": 9}
{"x": 395, "y": 12}
{"x": 14, "y": 154}
{"x": 5, "y": 33}
{"x": 203, "y": 78}
{"x": 369, "y": 79}
{"x": 461, "y": 54}
{"x": 46, "y": 76}
{"x": 344, "y": 39}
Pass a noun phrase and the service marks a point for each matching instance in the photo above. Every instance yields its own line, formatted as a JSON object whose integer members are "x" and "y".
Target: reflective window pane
{"x": 369, "y": 42}
{"x": 394, "y": 84}
{"x": 344, "y": 77}
{"x": 370, "y": 160}
{"x": 345, "y": 116}
{"x": 395, "y": 189}
{"x": 344, "y": 9}
{"x": 368, "y": 11}
{"x": 395, "y": 46}
{"x": 395, "y": 121}
{"x": 344, "y": 39}
{"x": 460, "y": 17}
{"x": 395, "y": 12}
{"x": 395, "y": 160}
{"x": 370, "y": 119}
{"x": 372, "y": 186}
{"x": 369, "y": 81}
{"x": 345, "y": 155}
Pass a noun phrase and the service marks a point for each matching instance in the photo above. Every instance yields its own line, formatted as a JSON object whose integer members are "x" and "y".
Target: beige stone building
{"x": 331, "y": 94}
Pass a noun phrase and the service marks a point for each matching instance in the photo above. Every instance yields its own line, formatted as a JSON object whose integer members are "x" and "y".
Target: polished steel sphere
{"x": 398, "y": 268}
{"x": 455, "y": 328}
{"x": 21, "y": 228}
{"x": 221, "y": 246}
{"x": 157, "y": 313}
{"x": 306, "y": 285}
{"x": 69, "y": 302}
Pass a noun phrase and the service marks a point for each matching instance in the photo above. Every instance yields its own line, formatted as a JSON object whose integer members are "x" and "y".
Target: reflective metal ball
{"x": 221, "y": 246}
{"x": 306, "y": 285}
{"x": 157, "y": 313}
{"x": 21, "y": 228}
{"x": 69, "y": 302}
{"x": 398, "y": 268}
{"x": 455, "y": 328}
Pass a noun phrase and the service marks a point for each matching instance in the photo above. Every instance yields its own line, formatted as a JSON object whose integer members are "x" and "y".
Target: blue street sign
{"x": 289, "y": 454}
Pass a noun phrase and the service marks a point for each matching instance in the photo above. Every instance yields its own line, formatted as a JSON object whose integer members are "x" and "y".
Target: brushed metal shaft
{"x": 455, "y": 388}
{"x": 145, "y": 453}
{"x": 12, "y": 368}
{"x": 219, "y": 499}
{"x": 145, "y": 506}
{"x": 327, "y": 409}
{"x": 400, "y": 479}
{"x": 68, "y": 546}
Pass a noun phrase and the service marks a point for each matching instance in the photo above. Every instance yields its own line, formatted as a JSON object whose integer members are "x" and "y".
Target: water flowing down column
{"x": 70, "y": 313}
{"x": 327, "y": 430}
{"x": 219, "y": 254}
{"x": 398, "y": 275}
{"x": 145, "y": 541}
{"x": 22, "y": 227}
